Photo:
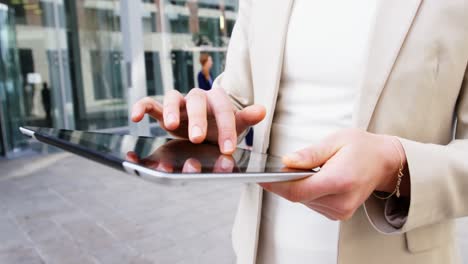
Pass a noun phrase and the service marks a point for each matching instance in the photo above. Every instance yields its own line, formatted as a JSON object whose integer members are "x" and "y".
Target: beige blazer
{"x": 416, "y": 87}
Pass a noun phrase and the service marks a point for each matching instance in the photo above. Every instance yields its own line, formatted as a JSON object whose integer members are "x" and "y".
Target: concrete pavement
{"x": 76, "y": 211}
{"x": 63, "y": 209}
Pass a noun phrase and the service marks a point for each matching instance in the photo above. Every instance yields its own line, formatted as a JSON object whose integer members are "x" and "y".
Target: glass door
{"x": 35, "y": 80}
{"x": 2, "y": 151}
{"x": 11, "y": 97}
{"x": 61, "y": 66}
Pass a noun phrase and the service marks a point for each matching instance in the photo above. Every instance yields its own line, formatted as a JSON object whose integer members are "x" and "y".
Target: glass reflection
{"x": 161, "y": 154}
{"x": 181, "y": 156}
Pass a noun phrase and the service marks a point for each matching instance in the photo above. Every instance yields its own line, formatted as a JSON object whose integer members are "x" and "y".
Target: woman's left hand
{"x": 354, "y": 163}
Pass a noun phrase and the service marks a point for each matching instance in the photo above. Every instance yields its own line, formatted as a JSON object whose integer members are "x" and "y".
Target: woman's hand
{"x": 201, "y": 115}
{"x": 354, "y": 164}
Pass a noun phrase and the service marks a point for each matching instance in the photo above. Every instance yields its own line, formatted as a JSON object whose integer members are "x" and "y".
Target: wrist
{"x": 394, "y": 163}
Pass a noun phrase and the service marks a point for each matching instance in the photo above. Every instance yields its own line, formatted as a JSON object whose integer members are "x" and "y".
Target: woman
{"x": 374, "y": 92}
{"x": 205, "y": 80}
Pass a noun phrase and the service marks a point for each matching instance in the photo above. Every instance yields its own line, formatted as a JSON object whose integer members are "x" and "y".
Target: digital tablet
{"x": 165, "y": 160}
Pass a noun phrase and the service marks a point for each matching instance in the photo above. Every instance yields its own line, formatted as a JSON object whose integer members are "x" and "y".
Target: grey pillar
{"x": 134, "y": 57}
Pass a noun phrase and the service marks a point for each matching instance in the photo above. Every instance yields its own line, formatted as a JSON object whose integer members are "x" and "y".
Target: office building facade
{"x": 81, "y": 64}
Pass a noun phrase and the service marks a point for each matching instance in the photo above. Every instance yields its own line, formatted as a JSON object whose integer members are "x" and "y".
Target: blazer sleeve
{"x": 236, "y": 79}
{"x": 439, "y": 181}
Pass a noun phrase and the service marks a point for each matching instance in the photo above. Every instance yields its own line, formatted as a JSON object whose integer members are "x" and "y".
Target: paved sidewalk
{"x": 64, "y": 209}
{"x": 78, "y": 211}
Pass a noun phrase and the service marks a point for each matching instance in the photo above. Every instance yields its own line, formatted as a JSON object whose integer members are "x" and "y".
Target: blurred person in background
{"x": 375, "y": 93}
{"x": 46, "y": 103}
{"x": 205, "y": 79}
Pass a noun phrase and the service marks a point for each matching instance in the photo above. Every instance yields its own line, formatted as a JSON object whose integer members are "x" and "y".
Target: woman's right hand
{"x": 201, "y": 116}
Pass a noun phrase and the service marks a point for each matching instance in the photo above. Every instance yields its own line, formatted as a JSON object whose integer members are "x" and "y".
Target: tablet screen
{"x": 160, "y": 154}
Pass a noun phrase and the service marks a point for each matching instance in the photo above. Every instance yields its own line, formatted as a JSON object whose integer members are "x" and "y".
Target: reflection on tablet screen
{"x": 166, "y": 155}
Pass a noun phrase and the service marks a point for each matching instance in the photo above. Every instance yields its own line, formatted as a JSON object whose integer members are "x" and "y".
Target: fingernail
{"x": 228, "y": 146}
{"x": 196, "y": 132}
{"x": 294, "y": 157}
{"x": 226, "y": 163}
{"x": 189, "y": 168}
{"x": 170, "y": 119}
{"x": 164, "y": 168}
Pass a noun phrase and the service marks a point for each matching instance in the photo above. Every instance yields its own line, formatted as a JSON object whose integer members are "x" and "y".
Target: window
{"x": 179, "y": 24}
{"x": 153, "y": 74}
{"x": 182, "y": 67}
{"x": 107, "y": 80}
{"x": 149, "y": 23}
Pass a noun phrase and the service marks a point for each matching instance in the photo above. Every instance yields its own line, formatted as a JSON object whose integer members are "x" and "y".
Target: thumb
{"x": 313, "y": 156}
{"x": 249, "y": 116}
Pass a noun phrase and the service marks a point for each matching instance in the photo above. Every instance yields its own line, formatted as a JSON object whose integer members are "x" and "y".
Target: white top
{"x": 324, "y": 56}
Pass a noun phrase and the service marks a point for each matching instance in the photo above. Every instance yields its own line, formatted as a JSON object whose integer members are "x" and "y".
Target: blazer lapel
{"x": 393, "y": 22}
{"x": 267, "y": 50}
